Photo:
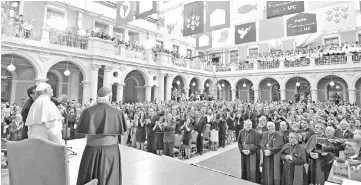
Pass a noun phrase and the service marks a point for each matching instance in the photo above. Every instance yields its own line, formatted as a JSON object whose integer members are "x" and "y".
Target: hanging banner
{"x": 223, "y": 38}
{"x": 204, "y": 40}
{"x": 145, "y": 9}
{"x": 173, "y": 23}
{"x": 271, "y": 29}
{"x": 281, "y": 8}
{"x": 125, "y": 12}
{"x": 245, "y": 33}
{"x": 218, "y": 15}
{"x": 247, "y": 11}
{"x": 193, "y": 18}
{"x": 302, "y": 23}
{"x": 337, "y": 17}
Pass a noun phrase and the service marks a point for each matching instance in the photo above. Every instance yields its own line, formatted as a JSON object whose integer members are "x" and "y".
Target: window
{"x": 331, "y": 41}
{"x": 133, "y": 37}
{"x": 56, "y": 19}
{"x": 189, "y": 53}
{"x": 359, "y": 37}
{"x": 159, "y": 44}
{"x": 100, "y": 27}
{"x": 234, "y": 56}
{"x": 252, "y": 51}
{"x": 176, "y": 48}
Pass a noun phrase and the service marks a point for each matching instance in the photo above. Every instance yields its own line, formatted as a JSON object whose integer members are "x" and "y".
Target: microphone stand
{"x": 71, "y": 153}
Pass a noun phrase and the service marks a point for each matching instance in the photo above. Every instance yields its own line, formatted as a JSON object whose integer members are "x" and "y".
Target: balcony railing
{"x": 331, "y": 60}
{"x": 301, "y": 62}
{"x": 223, "y": 68}
{"x": 208, "y": 68}
{"x": 195, "y": 64}
{"x": 179, "y": 62}
{"x": 244, "y": 66}
{"x": 68, "y": 39}
{"x": 22, "y": 31}
{"x": 356, "y": 57}
{"x": 269, "y": 64}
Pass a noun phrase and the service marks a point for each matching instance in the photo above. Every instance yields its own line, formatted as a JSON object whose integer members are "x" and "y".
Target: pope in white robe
{"x": 44, "y": 119}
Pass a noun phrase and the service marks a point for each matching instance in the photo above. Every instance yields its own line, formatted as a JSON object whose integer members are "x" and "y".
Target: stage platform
{"x": 143, "y": 168}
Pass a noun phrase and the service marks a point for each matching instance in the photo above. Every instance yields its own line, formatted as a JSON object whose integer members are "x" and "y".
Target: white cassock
{"x": 45, "y": 120}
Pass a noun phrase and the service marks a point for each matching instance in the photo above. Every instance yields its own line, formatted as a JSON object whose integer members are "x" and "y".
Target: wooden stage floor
{"x": 142, "y": 168}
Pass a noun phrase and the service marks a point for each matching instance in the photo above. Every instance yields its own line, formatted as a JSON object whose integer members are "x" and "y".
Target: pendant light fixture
{"x": 67, "y": 72}
{"x": 332, "y": 83}
{"x": 11, "y": 67}
{"x": 244, "y": 83}
{"x": 268, "y": 84}
{"x": 207, "y": 84}
{"x": 178, "y": 82}
{"x": 193, "y": 84}
{"x": 298, "y": 83}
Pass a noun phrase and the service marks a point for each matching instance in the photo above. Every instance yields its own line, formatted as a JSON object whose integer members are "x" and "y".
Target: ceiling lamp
{"x": 332, "y": 83}
{"x": 11, "y": 67}
{"x": 244, "y": 83}
{"x": 193, "y": 84}
{"x": 178, "y": 82}
{"x": 223, "y": 85}
{"x": 297, "y": 83}
{"x": 268, "y": 84}
{"x": 207, "y": 84}
{"x": 67, "y": 72}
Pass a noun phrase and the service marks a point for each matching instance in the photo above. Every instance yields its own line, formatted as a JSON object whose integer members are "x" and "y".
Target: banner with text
{"x": 245, "y": 33}
{"x": 218, "y": 15}
{"x": 193, "y": 18}
{"x": 145, "y": 9}
{"x": 204, "y": 40}
{"x": 125, "y": 12}
{"x": 302, "y": 23}
{"x": 281, "y": 8}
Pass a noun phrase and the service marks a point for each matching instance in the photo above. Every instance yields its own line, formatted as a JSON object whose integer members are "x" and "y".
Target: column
{"x": 80, "y": 20}
{"x": 233, "y": 94}
{"x": 120, "y": 90}
{"x": 283, "y": 94}
{"x": 161, "y": 86}
{"x": 148, "y": 93}
{"x": 187, "y": 93}
{"x": 126, "y": 35}
{"x": 60, "y": 88}
{"x": 256, "y": 95}
{"x": 73, "y": 85}
{"x": 352, "y": 95}
{"x": 94, "y": 81}
{"x": 14, "y": 85}
{"x": 86, "y": 92}
{"x": 107, "y": 76}
{"x": 314, "y": 95}
{"x": 168, "y": 87}
{"x": 110, "y": 30}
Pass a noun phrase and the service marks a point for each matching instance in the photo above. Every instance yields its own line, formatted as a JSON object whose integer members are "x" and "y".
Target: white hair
{"x": 271, "y": 123}
{"x": 330, "y": 128}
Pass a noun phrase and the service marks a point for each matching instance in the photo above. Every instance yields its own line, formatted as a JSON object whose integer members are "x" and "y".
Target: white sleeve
{"x": 55, "y": 128}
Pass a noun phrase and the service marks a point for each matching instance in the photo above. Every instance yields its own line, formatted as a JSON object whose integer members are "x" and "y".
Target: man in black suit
{"x": 150, "y": 123}
{"x": 343, "y": 133}
{"x": 200, "y": 123}
{"x": 31, "y": 91}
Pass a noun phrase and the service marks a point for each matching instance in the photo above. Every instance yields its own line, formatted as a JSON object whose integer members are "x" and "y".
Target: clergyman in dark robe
{"x": 31, "y": 91}
{"x": 271, "y": 143}
{"x": 249, "y": 144}
{"x": 294, "y": 157}
{"x": 102, "y": 124}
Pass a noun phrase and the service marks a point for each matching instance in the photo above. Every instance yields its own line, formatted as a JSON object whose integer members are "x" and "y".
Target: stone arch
{"x": 241, "y": 78}
{"x": 76, "y": 62}
{"x": 184, "y": 79}
{"x": 210, "y": 79}
{"x": 37, "y": 67}
{"x": 353, "y": 83}
{"x": 284, "y": 82}
{"x": 258, "y": 82}
{"x": 57, "y": 74}
{"x": 140, "y": 70}
{"x": 318, "y": 79}
{"x": 218, "y": 80}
